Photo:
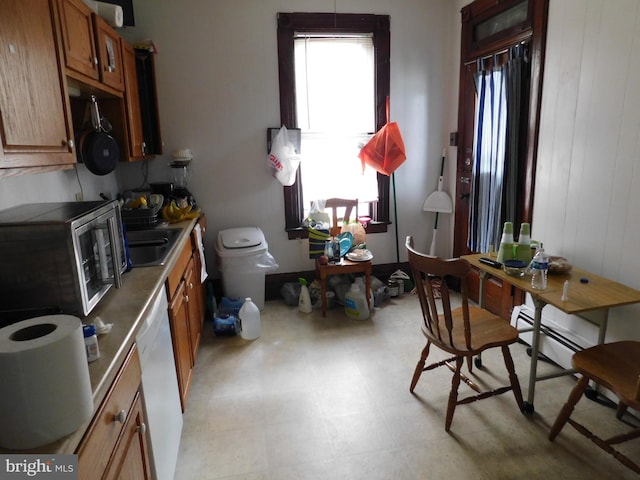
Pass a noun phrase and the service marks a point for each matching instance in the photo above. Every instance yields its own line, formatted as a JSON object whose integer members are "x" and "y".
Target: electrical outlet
{"x": 79, "y": 197}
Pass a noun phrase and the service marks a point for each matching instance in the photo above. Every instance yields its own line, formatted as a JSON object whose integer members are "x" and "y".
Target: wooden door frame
{"x": 534, "y": 31}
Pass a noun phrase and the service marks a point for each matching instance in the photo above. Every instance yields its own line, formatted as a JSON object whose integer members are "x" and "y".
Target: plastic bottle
{"x": 363, "y": 288}
{"x": 506, "y": 243}
{"x": 304, "y": 300}
{"x": 91, "y": 342}
{"x": 524, "y": 243}
{"x": 539, "y": 269}
{"x": 249, "y": 320}
{"x": 355, "y": 303}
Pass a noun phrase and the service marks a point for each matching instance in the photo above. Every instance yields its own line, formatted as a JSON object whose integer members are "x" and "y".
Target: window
{"x": 335, "y": 106}
{"x": 304, "y": 40}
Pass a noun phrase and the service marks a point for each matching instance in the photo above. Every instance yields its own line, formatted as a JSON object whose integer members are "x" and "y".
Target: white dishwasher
{"x": 160, "y": 387}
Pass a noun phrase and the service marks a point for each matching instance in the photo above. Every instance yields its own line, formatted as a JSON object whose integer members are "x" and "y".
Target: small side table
{"x": 346, "y": 266}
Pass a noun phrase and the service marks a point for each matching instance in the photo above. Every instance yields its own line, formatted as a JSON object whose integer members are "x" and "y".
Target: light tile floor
{"x": 328, "y": 399}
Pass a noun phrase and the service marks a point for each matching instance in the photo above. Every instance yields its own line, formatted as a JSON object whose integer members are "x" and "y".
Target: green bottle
{"x": 506, "y": 244}
{"x": 524, "y": 243}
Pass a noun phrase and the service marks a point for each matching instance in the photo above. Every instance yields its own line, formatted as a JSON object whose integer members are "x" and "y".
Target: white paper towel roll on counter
{"x": 112, "y": 14}
{"x": 46, "y": 389}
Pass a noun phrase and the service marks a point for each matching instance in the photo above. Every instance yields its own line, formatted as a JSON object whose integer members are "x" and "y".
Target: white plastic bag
{"x": 283, "y": 159}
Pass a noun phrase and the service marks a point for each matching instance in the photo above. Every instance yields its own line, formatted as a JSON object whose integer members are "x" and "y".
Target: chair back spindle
{"x": 435, "y": 301}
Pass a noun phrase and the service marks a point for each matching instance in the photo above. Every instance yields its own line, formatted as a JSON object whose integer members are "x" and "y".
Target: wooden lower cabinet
{"x": 499, "y": 298}
{"x": 186, "y": 314}
{"x": 194, "y": 306}
{"x": 181, "y": 337}
{"x": 115, "y": 445}
{"x": 130, "y": 459}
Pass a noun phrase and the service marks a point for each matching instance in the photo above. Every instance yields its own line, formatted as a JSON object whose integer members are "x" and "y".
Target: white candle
{"x": 565, "y": 291}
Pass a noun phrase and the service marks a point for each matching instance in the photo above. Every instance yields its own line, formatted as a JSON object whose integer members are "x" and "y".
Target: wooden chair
{"x": 463, "y": 332}
{"x": 338, "y": 205}
{"x": 615, "y": 366}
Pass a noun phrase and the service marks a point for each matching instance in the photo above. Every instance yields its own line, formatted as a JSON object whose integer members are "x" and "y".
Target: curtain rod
{"x": 494, "y": 54}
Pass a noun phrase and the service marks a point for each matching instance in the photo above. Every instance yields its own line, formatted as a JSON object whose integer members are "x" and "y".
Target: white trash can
{"x": 243, "y": 260}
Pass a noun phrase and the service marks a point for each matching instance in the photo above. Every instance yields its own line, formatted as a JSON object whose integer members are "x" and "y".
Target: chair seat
{"x": 614, "y": 365}
{"x": 487, "y": 331}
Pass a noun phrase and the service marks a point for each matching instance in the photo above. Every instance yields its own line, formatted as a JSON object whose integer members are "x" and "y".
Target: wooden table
{"x": 598, "y": 293}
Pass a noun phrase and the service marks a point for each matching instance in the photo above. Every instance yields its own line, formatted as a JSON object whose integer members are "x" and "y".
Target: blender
{"x": 181, "y": 174}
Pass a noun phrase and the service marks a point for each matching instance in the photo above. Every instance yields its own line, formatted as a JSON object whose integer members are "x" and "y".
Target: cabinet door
{"x": 78, "y": 38}
{"x": 130, "y": 459}
{"x": 194, "y": 306}
{"x": 109, "y": 54}
{"x": 179, "y": 321}
{"x": 95, "y": 452}
{"x": 35, "y": 117}
{"x": 132, "y": 102}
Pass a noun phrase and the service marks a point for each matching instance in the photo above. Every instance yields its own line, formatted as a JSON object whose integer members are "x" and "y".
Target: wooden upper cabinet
{"x": 109, "y": 54}
{"x": 132, "y": 102}
{"x": 78, "y": 38}
{"x": 35, "y": 117}
{"x": 91, "y": 47}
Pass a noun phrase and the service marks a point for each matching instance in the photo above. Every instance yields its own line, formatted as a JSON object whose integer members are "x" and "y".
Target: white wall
{"x": 588, "y": 172}
{"x": 60, "y": 186}
{"x": 218, "y": 87}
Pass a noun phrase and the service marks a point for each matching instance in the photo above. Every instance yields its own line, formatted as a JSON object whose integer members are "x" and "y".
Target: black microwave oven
{"x": 64, "y": 255}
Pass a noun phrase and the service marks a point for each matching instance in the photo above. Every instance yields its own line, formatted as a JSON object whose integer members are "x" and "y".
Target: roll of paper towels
{"x": 112, "y": 14}
{"x": 46, "y": 389}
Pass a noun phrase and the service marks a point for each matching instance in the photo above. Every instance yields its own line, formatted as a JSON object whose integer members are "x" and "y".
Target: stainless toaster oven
{"x": 62, "y": 255}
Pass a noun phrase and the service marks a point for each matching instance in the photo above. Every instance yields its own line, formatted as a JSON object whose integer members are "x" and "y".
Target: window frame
{"x": 288, "y": 25}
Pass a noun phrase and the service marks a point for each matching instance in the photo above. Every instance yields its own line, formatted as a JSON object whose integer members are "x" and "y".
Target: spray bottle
{"x": 304, "y": 300}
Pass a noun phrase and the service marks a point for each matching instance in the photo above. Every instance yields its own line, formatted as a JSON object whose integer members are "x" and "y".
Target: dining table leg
{"x": 483, "y": 282}
{"x": 539, "y": 304}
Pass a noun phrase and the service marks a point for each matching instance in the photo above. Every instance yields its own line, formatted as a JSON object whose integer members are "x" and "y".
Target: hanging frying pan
{"x": 97, "y": 149}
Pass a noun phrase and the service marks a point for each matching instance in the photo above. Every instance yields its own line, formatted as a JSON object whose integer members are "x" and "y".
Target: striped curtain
{"x": 496, "y": 149}
{"x": 489, "y": 144}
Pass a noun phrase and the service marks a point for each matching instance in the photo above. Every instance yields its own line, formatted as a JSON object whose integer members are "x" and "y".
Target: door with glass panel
{"x": 502, "y": 56}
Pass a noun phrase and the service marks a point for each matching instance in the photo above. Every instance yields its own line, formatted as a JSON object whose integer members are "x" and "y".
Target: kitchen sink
{"x": 150, "y": 248}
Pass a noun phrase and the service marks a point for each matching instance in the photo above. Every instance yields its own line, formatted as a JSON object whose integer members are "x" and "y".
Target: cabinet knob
{"x": 191, "y": 285}
{"x": 94, "y": 60}
{"x": 121, "y": 416}
{"x": 186, "y": 298}
{"x": 142, "y": 428}
{"x": 69, "y": 143}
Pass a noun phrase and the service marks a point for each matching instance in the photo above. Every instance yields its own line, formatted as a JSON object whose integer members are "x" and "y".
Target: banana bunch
{"x": 172, "y": 213}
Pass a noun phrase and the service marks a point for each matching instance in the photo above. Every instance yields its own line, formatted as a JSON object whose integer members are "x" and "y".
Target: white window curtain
{"x": 489, "y": 159}
{"x": 336, "y": 113}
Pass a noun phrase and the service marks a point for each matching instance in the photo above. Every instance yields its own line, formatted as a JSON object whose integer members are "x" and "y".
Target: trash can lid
{"x": 240, "y": 238}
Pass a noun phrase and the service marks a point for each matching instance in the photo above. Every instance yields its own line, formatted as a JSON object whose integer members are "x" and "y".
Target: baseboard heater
{"x": 557, "y": 343}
